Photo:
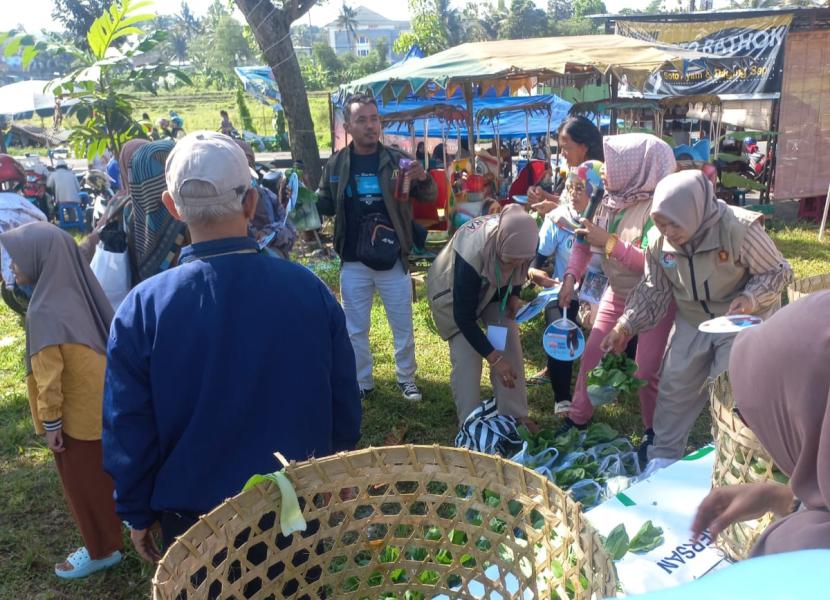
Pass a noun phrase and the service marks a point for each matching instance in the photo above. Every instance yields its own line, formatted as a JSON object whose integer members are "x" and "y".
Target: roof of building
{"x": 803, "y": 18}
{"x": 365, "y": 18}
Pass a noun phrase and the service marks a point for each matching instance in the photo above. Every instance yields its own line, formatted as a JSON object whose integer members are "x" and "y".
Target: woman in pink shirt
{"x": 634, "y": 163}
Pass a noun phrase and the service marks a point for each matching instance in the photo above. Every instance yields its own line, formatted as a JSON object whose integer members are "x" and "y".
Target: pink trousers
{"x": 651, "y": 345}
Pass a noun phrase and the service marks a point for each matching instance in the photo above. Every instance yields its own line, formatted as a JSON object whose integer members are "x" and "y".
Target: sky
{"x": 35, "y": 15}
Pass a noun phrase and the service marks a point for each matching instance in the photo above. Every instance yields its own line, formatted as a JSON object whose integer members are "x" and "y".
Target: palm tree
{"x": 347, "y": 20}
{"x": 451, "y": 22}
{"x": 187, "y": 22}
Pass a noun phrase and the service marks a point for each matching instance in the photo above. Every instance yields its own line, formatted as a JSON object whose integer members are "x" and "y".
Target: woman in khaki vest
{"x": 634, "y": 164}
{"x": 712, "y": 260}
{"x": 477, "y": 278}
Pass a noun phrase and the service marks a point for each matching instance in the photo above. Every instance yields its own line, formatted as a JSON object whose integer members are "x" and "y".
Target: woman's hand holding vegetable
{"x": 617, "y": 340}
{"x": 734, "y": 503}
{"x": 595, "y": 235}
{"x": 502, "y": 369}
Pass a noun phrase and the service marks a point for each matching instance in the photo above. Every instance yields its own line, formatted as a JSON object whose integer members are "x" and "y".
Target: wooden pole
{"x": 468, "y": 99}
{"x": 824, "y": 216}
{"x": 426, "y": 144}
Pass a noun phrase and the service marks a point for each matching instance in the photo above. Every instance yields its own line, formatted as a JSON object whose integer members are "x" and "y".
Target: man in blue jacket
{"x": 215, "y": 365}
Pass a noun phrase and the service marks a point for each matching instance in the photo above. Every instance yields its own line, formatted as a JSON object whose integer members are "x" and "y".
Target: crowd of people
{"x": 223, "y": 353}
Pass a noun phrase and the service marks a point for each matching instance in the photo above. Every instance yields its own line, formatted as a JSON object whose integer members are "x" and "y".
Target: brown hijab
{"x": 68, "y": 304}
{"x": 515, "y": 238}
{"x": 688, "y": 199}
{"x": 781, "y": 382}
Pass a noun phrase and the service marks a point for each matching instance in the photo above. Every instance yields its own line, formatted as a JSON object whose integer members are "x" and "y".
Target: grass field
{"x": 200, "y": 110}
{"x": 36, "y": 530}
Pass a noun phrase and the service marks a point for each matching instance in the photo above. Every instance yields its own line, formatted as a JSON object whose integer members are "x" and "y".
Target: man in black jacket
{"x": 358, "y": 188}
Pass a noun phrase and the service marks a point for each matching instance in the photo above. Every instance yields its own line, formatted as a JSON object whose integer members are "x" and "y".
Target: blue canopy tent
{"x": 259, "y": 82}
{"x": 510, "y": 119}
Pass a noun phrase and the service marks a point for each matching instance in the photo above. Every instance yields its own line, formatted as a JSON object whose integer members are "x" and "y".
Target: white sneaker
{"x": 562, "y": 408}
{"x": 410, "y": 391}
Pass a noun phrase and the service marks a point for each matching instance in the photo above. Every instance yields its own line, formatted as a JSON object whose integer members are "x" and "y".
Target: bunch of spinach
{"x": 616, "y": 371}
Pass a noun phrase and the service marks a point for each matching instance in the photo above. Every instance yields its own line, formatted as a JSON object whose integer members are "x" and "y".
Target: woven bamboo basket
{"x": 399, "y": 522}
{"x": 808, "y": 285}
{"x": 739, "y": 458}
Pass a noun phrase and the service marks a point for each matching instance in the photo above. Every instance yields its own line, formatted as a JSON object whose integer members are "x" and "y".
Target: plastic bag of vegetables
{"x": 611, "y": 466}
{"x": 613, "y": 378}
{"x": 587, "y": 491}
{"x": 542, "y": 459}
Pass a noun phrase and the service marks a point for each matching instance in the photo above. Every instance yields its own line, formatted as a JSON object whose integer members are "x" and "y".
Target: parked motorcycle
{"x": 35, "y": 187}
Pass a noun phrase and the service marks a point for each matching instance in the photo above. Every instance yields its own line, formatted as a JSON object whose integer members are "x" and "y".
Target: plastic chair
{"x": 528, "y": 175}
{"x": 71, "y": 216}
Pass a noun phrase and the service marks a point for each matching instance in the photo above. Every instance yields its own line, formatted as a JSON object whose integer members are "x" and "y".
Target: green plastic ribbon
{"x": 291, "y": 516}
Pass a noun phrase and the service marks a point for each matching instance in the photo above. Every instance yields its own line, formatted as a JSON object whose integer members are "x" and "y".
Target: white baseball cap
{"x": 210, "y": 158}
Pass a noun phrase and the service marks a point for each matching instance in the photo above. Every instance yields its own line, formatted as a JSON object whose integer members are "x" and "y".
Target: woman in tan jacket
{"x": 67, "y": 324}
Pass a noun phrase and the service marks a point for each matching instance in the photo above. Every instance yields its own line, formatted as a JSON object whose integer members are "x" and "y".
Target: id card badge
{"x": 497, "y": 336}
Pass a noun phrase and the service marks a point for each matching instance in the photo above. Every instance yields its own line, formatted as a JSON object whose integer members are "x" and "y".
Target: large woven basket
{"x": 739, "y": 458}
{"x": 406, "y": 522}
{"x": 808, "y": 285}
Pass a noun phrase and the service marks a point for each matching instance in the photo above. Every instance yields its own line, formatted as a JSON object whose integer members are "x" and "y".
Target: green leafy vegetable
{"x": 647, "y": 539}
{"x": 616, "y": 371}
{"x": 599, "y": 433}
{"x": 568, "y": 477}
{"x": 567, "y": 441}
{"x": 616, "y": 544}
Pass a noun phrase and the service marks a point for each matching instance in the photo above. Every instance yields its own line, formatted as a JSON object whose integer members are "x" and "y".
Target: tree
{"x": 559, "y": 10}
{"x": 188, "y": 23}
{"x": 450, "y": 20}
{"x": 495, "y": 20}
{"x": 306, "y": 36}
{"x": 77, "y": 17}
{"x": 270, "y": 22}
{"x": 574, "y": 26}
{"x": 525, "y": 21}
{"x": 182, "y": 28}
{"x": 104, "y": 73}
{"x": 583, "y": 8}
{"x": 227, "y": 48}
{"x": 428, "y": 30}
{"x": 347, "y": 21}
{"x": 471, "y": 22}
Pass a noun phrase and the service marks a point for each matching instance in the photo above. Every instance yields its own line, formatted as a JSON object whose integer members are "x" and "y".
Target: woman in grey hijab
{"x": 67, "y": 325}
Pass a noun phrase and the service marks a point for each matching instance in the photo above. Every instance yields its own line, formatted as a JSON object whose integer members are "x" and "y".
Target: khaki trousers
{"x": 465, "y": 375}
{"x": 692, "y": 360}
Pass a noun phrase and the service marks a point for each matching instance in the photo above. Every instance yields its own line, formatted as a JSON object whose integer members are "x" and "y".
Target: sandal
{"x": 538, "y": 380}
{"x": 83, "y": 565}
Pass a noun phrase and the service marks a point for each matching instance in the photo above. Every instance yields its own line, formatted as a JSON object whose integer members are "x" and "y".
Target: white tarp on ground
{"x": 669, "y": 498}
